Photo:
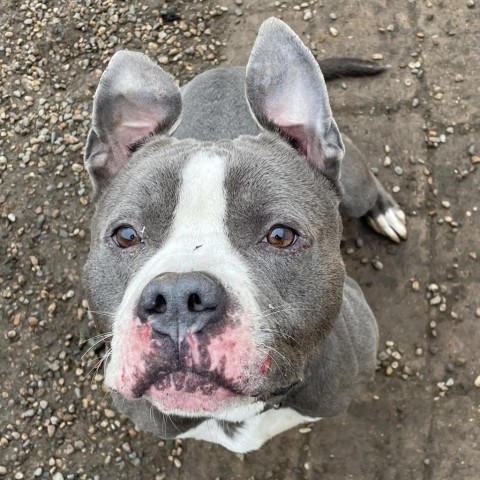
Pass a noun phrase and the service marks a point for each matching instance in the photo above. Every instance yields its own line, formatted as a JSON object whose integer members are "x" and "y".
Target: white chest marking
{"x": 253, "y": 433}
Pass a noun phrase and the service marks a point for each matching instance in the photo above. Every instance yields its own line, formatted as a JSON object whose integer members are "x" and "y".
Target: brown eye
{"x": 126, "y": 236}
{"x": 280, "y": 236}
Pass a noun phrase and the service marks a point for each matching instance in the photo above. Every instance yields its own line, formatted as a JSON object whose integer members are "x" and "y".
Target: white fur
{"x": 197, "y": 242}
{"x": 253, "y": 433}
{"x": 391, "y": 224}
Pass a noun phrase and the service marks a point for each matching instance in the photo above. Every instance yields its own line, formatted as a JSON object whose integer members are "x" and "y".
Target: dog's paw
{"x": 387, "y": 218}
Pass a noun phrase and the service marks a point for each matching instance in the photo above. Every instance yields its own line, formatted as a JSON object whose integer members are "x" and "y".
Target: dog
{"x": 215, "y": 245}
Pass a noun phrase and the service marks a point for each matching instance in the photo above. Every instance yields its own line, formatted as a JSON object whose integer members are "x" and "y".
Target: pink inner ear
{"x": 307, "y": 142}
{"x": 297, "y": 132}
{"x": 292, "y": 120}
{"x": 133, "y": 131}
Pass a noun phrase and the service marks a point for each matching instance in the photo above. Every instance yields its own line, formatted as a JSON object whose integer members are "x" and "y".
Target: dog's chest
{"x": 250, "y": 434}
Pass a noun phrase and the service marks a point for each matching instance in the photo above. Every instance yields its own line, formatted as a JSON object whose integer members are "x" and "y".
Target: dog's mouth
{"x": 188, "y": 391}
{"x": 188, "y": 381}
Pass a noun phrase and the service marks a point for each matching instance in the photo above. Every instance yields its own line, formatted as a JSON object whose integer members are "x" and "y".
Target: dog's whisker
{"x": 101, "y": 340}
{"x": 97, "y": 365}
{"x": 99, "y": 312}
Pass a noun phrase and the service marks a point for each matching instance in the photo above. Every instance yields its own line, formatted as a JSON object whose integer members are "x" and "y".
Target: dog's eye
{"x": 126, "y": 236}
{"x": 280, "y": 236}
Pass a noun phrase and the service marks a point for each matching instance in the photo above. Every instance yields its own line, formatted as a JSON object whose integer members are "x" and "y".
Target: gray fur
{"x": 326, "y": 338}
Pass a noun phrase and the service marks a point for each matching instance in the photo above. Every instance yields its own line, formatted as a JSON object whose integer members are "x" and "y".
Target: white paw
{"x": 391, "y": 223}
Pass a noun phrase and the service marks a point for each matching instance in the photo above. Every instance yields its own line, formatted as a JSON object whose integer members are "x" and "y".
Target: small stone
{"x": 58, "y": 476}
{"x": 377, "y": 264}
{"x": 238, "y": 12}
{"x": 377, "y": 56}
{"x": 12, "y": 217}
{"x": 40, "y": 221}
{"x": 307, "y": 15}
{"x": 398, "y": 170}
{"x": 333, "y": 16}
{"x": 438, "y": 96}
{"x": 33, "y": 321}
{"x": 359, "y": 242}
{"x": 475, "y": 159}
{"x": 387, "y": 162}
{"x": 109, "y": 413}
{"x": 77, "y": 167}
{"x": 476, "y": 382}
{"x": 415, "y": 102}
{"x": 396, "y": 189}
{"x": 471, "y": 3}
{"x": 477, "y": 312}
{"x": 445, "y": 204}
{"x": 305, "y": 430}
{"x": 29, "y": 413}
{"x": 333, "y": 31}
{"x": 3, "y": 470}
{"x": 436, "y": 300}
{"x": 415, "y": 286}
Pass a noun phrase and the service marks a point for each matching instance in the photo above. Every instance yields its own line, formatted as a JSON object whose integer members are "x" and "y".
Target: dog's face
{"x": 216, "y": 265}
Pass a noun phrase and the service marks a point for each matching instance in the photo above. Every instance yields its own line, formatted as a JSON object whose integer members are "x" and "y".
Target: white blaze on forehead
{"x": 197, "y": 241}
{"x": 202, "y": 205}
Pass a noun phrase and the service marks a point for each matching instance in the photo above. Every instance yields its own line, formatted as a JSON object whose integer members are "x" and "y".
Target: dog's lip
{"x": 207, "y": 377}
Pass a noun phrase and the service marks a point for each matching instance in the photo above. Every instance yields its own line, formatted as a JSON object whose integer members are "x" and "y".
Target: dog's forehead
{"x": 262, "y": 171}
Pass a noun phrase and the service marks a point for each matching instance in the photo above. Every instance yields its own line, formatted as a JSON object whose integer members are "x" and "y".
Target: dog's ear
{"x": 287, "y": 94}
{"x": 134, "y": 100}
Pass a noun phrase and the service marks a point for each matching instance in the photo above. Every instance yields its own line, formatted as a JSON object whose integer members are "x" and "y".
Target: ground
{"x": 419, "y": 126}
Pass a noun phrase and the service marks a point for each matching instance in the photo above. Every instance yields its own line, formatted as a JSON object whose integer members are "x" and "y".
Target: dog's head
{"x": 216, "y": 264}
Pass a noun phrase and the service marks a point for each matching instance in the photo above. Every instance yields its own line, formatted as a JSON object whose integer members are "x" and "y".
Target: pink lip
{"x": 188, "y": 392}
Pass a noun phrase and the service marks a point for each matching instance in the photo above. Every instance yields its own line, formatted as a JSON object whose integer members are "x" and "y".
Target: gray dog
{"x": 216, "y": 254}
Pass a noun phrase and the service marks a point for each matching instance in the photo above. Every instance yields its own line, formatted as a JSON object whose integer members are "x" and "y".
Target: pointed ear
{"x": 287, "y": 94}
{"x": 134, "y": 100}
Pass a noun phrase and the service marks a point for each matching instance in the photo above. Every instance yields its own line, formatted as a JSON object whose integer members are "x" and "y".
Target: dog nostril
{"x": 159, "y": 307}
{"x": 195, "y": 303}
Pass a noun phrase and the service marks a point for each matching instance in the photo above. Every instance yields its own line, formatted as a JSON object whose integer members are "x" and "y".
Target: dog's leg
{"x": 364, "y": 196}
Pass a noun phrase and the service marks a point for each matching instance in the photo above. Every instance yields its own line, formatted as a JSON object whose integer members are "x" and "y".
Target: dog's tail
{"x": 349, "y": 67}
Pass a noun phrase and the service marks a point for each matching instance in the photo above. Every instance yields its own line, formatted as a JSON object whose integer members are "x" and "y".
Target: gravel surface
{"x": 418, "y": 124}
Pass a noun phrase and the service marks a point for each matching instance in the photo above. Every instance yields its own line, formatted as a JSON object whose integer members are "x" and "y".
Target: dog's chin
{"x": 217, "y": 405}
{"x": 192, "y": 395}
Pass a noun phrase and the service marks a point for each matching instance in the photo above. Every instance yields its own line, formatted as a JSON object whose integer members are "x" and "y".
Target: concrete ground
{"x": 420, "y": 417}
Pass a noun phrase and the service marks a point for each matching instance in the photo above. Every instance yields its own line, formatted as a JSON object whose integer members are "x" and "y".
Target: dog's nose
{"x": 177, "y": 303}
